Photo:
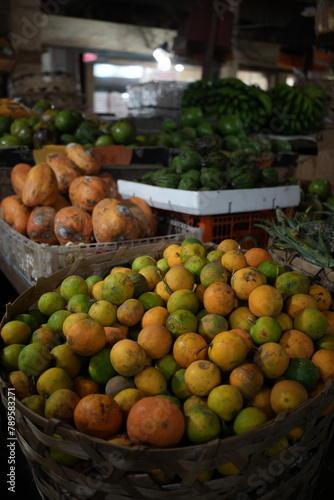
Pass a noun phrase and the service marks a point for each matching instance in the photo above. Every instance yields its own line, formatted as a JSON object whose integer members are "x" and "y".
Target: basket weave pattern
{"x": 112, "y": 472}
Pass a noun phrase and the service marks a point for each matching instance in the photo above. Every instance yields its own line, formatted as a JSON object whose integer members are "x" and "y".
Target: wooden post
{"x": 210, "y": 45}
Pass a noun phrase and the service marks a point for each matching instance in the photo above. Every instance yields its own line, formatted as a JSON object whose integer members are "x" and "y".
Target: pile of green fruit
{"x": 48, "y": 125}
{"x": 283, "y": 109}
{"x": 297, "y": 110}
{"x": 206, "y": 167}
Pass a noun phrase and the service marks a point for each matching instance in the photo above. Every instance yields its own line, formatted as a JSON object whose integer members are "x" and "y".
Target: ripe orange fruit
{"x": 241, "y": 317}
{"x": 201, "y": 377}
{"x": 272, "y": 359}
{"x": 156, "y": 340}
{"x": 178, "y": 277}
{"x": 53, "y": 379}
{"x": 298, "y": 302}
{"x": 114, "y": 334}
{"x": 104, "y": 312}
{"x": 98, "y": 415}
{"x": 84, "y": 385}
{"x": 155, "y": 316}
{"x": 152, "y": 274}
{"x": 64, "y": 357}
{"x": 261, "y": 400}
{"x": 247, "y": 338}
{"x": 285, "y": 321}
{"x": 126, "y": 398}
{"x": 330, "y": 321}
{"x": 265, "y": 300}
{"x": 228, "y": 244}
{"x": 226, "y": 401}
{"x": 286, "y": 395}
{"x": 151, "y": 381}
{"x": 245, "y": 280}
{"x": 233, "y": 260}
{"x": 86, "y": 337}
{"x": 130, "y": 312}
{"x": 173, "y": 256}
{"x": 255, "y": 256}
{"x": 324, "y": 360}
{"x": 188, "y": 348}
{"x": 322, "y": 296}
{"x": 127, "y": 357}
{"x": 155, "y": 421}
{"x": 61, "y": 404}
{"x": 227, "y": 350}
{"x": 15, "y": 332}
{"x": 297, "y": 344}
{"x": 219, "y": 298}
{"x": 248, "y": 379}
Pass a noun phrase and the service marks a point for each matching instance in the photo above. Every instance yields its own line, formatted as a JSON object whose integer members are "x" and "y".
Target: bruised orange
{"x": 188, "y": 348}
{"x": 156, "y": 340}
{"x": 98, "y": 415}
{"x": 248, "y": 379}
{"x": 219, "y": 298}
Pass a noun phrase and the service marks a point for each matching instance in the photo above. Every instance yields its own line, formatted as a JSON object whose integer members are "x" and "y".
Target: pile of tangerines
{"x": 196, "y": 345}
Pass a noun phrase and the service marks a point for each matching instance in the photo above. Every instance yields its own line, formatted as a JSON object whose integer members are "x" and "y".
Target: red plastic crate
{"x": 239, "y": 226}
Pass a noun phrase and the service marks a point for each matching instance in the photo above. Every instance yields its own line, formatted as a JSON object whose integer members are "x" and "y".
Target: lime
{"x": 303, "y": 371}
{"x": 230, "y": 125}
{"x": 265, "y": 329}
{"x": 100, "y": 368}
{"x": 248, "y": 419}
{"x": 10, "y": 140}
{"x": 5, "y": 123}
{"x": 41, "y": 106}
{"x": 25, "y": 135}
{"x": 86, "y": 133}
{"x": 50, "y": 302}
{"x": 189, "y": 240}
{"x": 320, "y": 187}
{"x": 79, "y": 303}
{"x": 202, "y": 424}
{"x": 122, "y": 132}
{"x": 66, "y": 139}
{"x": 271, "y": 269}
{"x": 104, "y": 140}
{"x": 62, "y": 457}
{"x": 66, "y": 121}
{"x": 48, "y": 116}
{"x": 29, "y": 320}
{"x": 10, "y": 355}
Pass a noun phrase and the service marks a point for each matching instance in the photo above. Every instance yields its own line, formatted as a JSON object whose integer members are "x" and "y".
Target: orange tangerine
{"x": 244, "y": 280}
{"x": 98, "y": 415}
{"x": 193, "y": 401}
{"x": 298, "y": 302}
{"x": 202, "y": 424}
{"x": 170, "y": 249}
{"x": 173, "y": 257}
{"x": 64, "y": 357}
{"x": 104, "y": 312}
{"x": 265, "y": 300}
{"x": 61, "y": 404}
{"x": 20, "y": 382}
{"x": 227, "y": 350}
{"x": 130, "y": 312}
{"x": 142, "y": 261}
{"x": 97, "y": 291}
{"x": 322, "y": 296}
{"x": 188, "y": 348}
{"x": 178, "y": 385}
{"x": 114, "y": 334}
{"x": 151, "y": 381}
{"x": 272, "y": 359}
{"x": 219, "y": 298}
{"x": 192, "y": 250}
{"x": 15, "y": 332}
{"x": 168, "y": 366}
{"x": 84, "y": 385}
{"x": 330, "y": 321}
{"x": 127, "y": 357}
{"x": 156, "y": 340}
{"x": 199, "y": 290}
{"x": 163, "y": 291}
{"x": 178, "y": 277}
{"x": 261, "y": 400}
{"x": 297, "y": 344}
{"x": 155, "y": 316}
{"x": 247, "y": 338}
{"x": 241, "y": 317}
{"x": 127, "y": 398}
{"x": 255, "y": 256}
{"x": 53, "y": 379}
{"x": 324, "y": 361}
{"x": 201, "y": 376}
{"x": 86, "y": 337}
{"x": 285, "y": 321}
{"x": 233, "y": 260}
{"x": 226, "y": 401}
{"x": 121, "y": 269}
{"x": 151, "y": 299}
{"x": 286, "y": 395}
{"x": 248, "y": 379}
{"x": 152, "y": 274}
{"x": 227, "y": 244}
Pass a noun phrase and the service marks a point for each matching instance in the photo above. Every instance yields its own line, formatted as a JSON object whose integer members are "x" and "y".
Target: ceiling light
{"x": 179, "y": 67}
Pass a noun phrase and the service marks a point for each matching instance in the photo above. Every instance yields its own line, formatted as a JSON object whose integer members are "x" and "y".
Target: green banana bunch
{"x": 297, "y": 110}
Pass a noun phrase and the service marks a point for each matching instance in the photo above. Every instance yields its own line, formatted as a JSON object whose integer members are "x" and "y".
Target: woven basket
{"x": 112, "y": 472}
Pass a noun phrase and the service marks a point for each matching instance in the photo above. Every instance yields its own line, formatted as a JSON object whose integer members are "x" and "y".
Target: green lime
{"x": 320, "y": 187}
{"x": 168, "y": 125}
{"x": 304, "y": 371}
{"x": 191, "y": 239}
{"x": 104, "y": 140}
{"x": 140, "y": 283}
{"x": 10, "y": 140}
{"x": 25, "y": 135}
{"x": 271, "y": 269}
{"x": 66, "y": 139}
{"x": 151, "y": 299}
{"x": 35, "y": 403}
{"x": 56, "y": 320}
{"x": 202, "y": 424}
{"x": 66, "y": 121}
{"x": 29, "y": 320}
{"x": 191, "y": 117}
{"x": 178, "y": 385}
{"x": 100, "y": 368}
{"x": 86, "y": 133}
{"x": 50, "y": 302}
{"x": 230, "y": 125}
{"x": 10, "y": 355}
{"x": 41, "y": 106}
{"x": 204, "y": 129}
{"x": 265, "y": 329}
{"x": 79, "y": 303}
{"x": 122, "y": 132}
{"x": 62, "y": 457}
